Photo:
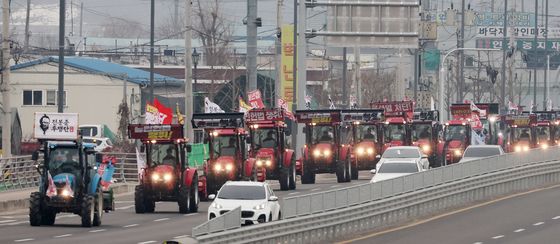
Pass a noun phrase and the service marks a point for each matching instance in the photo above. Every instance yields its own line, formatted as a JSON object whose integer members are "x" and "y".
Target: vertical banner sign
{"x": 287, "y": 81}
{"x": 255, "y": 99}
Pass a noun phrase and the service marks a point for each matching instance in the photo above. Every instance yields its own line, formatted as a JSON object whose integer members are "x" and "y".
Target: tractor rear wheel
{"x": 184, "y": 200}
{"x": 35, "y": 215}
{"x": 292, "y": 183}
{"x": 88, "y": 211}
{"x": 341, "y": 172}
{"x": 353, "y": 168}
{"x": 284, "y": 179}
{"x": 98, "y": 207}
{"x": 194, "y": 200}
{"x": 139, "y": 199}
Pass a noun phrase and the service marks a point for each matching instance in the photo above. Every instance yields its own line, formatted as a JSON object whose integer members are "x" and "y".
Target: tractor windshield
{"x": 164, "y": 154}
{"x": 322, "y": 134}
{"x": 521, "y": 134}
{"x": 421, "y": 132}
{"x": 366, "y": 133}
{"x": 543, "y": 134}
{"x": 455, "y": 133}
{"x": 394, "y": 132}
{"x": 264, "y": 138}
{"x": 64, "y": 160}
{"x": 224, "y": 145}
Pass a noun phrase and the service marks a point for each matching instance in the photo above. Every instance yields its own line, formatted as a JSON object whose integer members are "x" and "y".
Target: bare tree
{"x": 119, "y": 28}
{"x": 213, "y": 31}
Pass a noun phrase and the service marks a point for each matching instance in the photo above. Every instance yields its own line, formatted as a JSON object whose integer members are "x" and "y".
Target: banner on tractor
{"x": 210, "y": 107}
{"x": 284, "y": 106}
{"x": 55, "y": 126}
{"x": 521, "y": 120}
{"x": 362, "y": 115}
{"x": 395, "y": 109}
{"x": 255, "y": 99}
{"x": 155, "y": 132}
{"x": 318, "y": 116}
{"x": 218, "y": 120}
{"x": 265, "y": 115}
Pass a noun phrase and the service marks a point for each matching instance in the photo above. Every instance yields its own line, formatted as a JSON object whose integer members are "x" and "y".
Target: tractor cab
{"x": 228, "y": 160}
{"x": 327, "y": 146}
{"x": 366, "y": 139}
{"x": 396, "y": 127}
{"x": 425, "y": 131}
{"x": 521, "y": 130}
{"x": 545, "y": 128}
{"x": 273, "y": 159}
{"x": 69, "y": 177}
{"x": 165, "y": 175}
{"x": 456, "y": 138}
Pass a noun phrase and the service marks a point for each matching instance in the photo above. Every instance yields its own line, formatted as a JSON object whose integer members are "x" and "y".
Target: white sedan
{"x": 474, "y": 152}
{"x": 404, "y": 153}
{"x": 393, "y": 169}
{"x": 257, "y": 200}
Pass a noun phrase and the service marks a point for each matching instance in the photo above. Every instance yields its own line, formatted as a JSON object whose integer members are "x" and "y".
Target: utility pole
{"x": 188, "y": 71}
{"x": 505, "y": 49}
{"x": 416, "y": 71}
{"x": 71, "y": 18}
{"x": 535, "y": 56}
{"x": 251, "y": 45}
{"x": 357, "y": 72}
{"x": 81, "y": 18}
{"x": 26, "y": 43}
{"x": 344, "y": 76}
{"x": 62, "y": 19}
{"x": 278, "y": 84}
{"x": 461, "y": 85}
{"x": 152, "y": 16}
{"x": 545, "y": 97}
{"x": 7, "y": 125}
{"x": 176, "y": 15}
{"x": 299, "y": 97}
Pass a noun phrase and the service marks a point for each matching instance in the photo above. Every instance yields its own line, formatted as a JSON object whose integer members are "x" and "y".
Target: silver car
{"x": 475, "y": 152}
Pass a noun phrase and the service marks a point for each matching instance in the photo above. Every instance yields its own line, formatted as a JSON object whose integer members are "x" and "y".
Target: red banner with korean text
{"x": 255, "y": 99}
{"x": 396, "y": 108}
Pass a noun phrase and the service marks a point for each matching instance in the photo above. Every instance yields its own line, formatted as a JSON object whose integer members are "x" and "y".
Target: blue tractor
{"x": 74, "y": 179}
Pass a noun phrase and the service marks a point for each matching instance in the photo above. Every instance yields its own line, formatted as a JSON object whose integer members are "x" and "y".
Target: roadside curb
{"x": 9, "y": 206}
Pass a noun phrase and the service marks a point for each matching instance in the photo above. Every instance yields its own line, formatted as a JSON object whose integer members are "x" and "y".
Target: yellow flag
{"x": 180, "y": 117}
{"x": 243, "y": 107}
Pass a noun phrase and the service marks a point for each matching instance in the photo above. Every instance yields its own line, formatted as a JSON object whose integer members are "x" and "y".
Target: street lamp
{"x": 442, "y": 76}
{"x": 195, "y": 59}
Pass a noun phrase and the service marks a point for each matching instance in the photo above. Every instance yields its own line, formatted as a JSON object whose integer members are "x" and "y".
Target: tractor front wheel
{"x": 284, "y": 179}
{"x": 88, "y": 211}
{"x": 292, "y": 183}
{"x": 35, "y": 208}
{"x": 307, "y": 176}
{"x": 98, "y": 207}
{"x": 48, "y": 217}
{"x": 184, "y": 200}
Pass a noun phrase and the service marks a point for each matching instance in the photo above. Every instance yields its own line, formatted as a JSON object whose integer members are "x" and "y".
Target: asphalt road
{"x": 125, "y": 226}
{"x": 525, "y": 218}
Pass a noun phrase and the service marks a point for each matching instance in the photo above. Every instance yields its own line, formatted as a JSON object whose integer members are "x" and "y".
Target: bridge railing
{"x": 227, "y": 221}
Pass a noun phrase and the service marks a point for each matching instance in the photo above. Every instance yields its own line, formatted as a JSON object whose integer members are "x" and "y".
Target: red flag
{"x": 255, "y": 99}
{"x": 165, "y": 113}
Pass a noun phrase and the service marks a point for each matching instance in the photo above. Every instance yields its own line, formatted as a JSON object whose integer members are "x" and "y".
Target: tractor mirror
{"x": 212, "y": 196}
{"x": 273, "y": 198}
{"x": 98, "y": 157}
{"x": 373, "y": 171}
{"x": 378, "y": 156}
{"x": 189, "y": 148}
{"x": 35, "y": 156}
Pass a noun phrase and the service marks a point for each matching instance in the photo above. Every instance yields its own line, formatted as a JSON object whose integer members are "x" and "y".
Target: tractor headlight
{"x": 327, "y": 152}
{"x": 260, "y": 206}
{"x": 229, "y": 167}
{"x": 316, "y": 153}
{"x": 426, "y": 148}
{"x": 66, "y": 193}
{"x": 218, "y": 167}
{"x": 457, "y": 152}
{"x": 525, "y": 148}
{"x": 544, "y": 145}
{"x": 167, "y": 177}
{"x": 156, "y": 177}
{"x": 360, "y": 151}
{"x": 268, "y": 163}
{"x": 259, "y": 163}
{"x": 517, "y": 148}
{"x": 370, "y": 150}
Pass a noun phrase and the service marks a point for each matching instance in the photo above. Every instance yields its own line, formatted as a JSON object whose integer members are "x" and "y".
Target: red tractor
{"x": 166, "y": 175}
{"x": 546, "y": 128}
{"x": 273, "y": 159}
{"x": 521, "y": 132}
{"x": 425, "y": 131}
{"x": 396, "y": 128}
{"x": 489, "y": 118}
{"x": 226, "y": 137}
{"x": 457, "y": 135}
{"x": 327, "y": 148}
{"x": 366, "y": 137}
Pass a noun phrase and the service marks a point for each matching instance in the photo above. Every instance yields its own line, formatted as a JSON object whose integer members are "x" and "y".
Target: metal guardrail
{"x": 19, "y": 173}
{"x": 227, "y": 221}
{"x": 327, "y": 215}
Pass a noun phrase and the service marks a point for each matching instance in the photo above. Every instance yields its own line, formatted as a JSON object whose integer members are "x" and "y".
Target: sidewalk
{"x": 12, "y": 201}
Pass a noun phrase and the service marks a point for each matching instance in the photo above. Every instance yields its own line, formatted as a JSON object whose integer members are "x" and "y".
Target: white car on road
{"x": 404, "y": 153}
{"x": 395, "y": 168}
{"x": 257, "y": 200}
{"x": 475, "y": 152}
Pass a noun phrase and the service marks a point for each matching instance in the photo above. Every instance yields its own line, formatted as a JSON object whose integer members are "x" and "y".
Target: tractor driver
{"x": 327, "y": 135}
{"x": 169, "y": 158}
{"x": 370, "y": 134}
{"x": 524, "y": 136}
{"x": 229, "y": 150}
{"x": 269, "y": 141}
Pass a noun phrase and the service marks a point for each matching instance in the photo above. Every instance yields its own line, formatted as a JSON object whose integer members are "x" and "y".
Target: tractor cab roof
{"x": 56, "y": 144}
{"x": 267, "y": 118}
{"x": 227, "y": 132}
{"x": 362, "y": 116}
{"x": 319, "y": 117}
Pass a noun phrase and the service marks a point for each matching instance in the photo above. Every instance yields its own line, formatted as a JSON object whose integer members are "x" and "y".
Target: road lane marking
{"x": 125, "y": 207}
{"x": 315, "y": 189}
{"x": 557, "y": 217}
{"x": 539, "y": 223}
{"x": 124, "y": 201}
{"x": 146, "y": 242}
{"x": 162, "y": 219}
{"x": 293, "y": 193}
{"x": 334, "y": 186}
{"x": 24, "y": 240}
{"x": 62, "y": 236}
{"x": 497, "y": 237}
{"x": 128, "y": 226}
{"x": 190, "y": 214}
{"x": 180, "y": 237}
{"x": 95, "y": 231}
{"x": 7, "y": 221}
{"x": 477, "y": 243}
{"x": 518, "y": 230}
{"x": 15, "y": 223}
{"x": 445, "y": 215}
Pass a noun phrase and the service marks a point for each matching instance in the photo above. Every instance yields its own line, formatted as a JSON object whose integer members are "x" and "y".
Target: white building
{"x": 93, "y": 88}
